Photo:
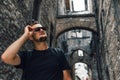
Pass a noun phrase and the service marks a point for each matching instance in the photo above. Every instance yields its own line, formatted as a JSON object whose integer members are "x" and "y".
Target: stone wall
{"x": 109, "y": 27}
{"x": 47, "y": 17}
{"x": 14, "y": 15}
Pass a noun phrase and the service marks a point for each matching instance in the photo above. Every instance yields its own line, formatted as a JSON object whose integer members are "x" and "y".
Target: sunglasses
{"x": 39, "y": 28}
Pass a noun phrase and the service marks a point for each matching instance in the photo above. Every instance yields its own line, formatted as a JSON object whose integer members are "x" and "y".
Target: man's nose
{"x": 41, "y": 29}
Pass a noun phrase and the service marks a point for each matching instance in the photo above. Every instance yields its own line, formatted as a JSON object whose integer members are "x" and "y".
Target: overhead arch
{"x": 75, "y": 27}
{"x": 77, "y": 50}
{"x": 86, "y": 57}
{"x": 65, "y": 24}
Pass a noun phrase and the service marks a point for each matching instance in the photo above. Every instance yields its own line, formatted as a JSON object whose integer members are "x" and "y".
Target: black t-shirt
{"x": 43, "y": 65}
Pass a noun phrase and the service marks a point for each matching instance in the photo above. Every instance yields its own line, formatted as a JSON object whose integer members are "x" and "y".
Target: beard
{"x": 41, "y": 39}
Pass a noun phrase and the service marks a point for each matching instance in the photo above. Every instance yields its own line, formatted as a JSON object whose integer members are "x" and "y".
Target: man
{"x": 42, "y": 63}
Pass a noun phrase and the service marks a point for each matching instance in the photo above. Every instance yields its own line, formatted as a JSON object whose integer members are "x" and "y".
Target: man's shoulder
{"x": 57, "y": 51}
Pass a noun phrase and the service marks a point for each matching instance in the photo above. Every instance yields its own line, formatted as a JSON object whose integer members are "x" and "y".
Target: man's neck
{"x": 41, "y": 46}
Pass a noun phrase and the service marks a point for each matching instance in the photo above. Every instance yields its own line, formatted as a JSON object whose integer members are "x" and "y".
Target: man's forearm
{"x": 13, "y": 49}
{"x": 66, "y": 75}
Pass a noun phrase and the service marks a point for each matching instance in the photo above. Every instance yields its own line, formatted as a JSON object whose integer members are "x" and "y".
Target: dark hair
{"x": 32, "y": 22}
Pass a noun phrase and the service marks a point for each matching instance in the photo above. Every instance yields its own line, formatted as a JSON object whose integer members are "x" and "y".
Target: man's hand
{"x": 28, "y": 31}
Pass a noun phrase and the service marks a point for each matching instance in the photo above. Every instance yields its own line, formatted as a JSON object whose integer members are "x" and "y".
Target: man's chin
{"x": 43, "y": 39}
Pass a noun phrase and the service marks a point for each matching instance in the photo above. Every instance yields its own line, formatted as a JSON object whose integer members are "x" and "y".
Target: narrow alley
{"x": 88, "y": 31}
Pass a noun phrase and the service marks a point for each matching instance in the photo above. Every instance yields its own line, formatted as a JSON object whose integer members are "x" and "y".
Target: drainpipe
{"x": 36, "y": 7}
{"x": 97, "y": 38}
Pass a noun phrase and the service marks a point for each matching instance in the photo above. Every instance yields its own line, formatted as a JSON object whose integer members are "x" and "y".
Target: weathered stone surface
{"x": 110, "y": 38}
{"x": 47, "y": 17}
{"x": 69, "y": 23}
{"x": 14, "y": 15}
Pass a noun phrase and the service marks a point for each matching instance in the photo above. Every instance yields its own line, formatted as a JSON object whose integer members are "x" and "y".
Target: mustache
{"x": 42, "y": 39}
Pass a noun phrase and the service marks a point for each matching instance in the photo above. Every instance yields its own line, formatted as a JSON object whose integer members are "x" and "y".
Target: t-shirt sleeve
{"x": 64, "y": 63}
{"x": 22, "y": 55}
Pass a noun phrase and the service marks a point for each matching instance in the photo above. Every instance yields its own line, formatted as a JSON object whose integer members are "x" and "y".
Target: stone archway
{"x": 73, "y": 43}
{"x": 80, "y": 55}
{"x": 75, "y": 27}
{"x": 80, "y": 65}
{"x": 79, "y": 22}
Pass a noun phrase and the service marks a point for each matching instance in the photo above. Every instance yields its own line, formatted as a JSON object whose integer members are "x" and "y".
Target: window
{"x": 76, "y": 34}
{"x": 78, "y": 5}
{"x": 80, "y": 53}
{"x": 75, "y": 7}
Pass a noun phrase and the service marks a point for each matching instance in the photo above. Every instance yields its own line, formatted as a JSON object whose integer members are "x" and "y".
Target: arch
{"x": 64, "y": 24}
{"x": 77, "y": 50}
{"x": 75, "y": 27}
{"x": 86, "y": 56}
